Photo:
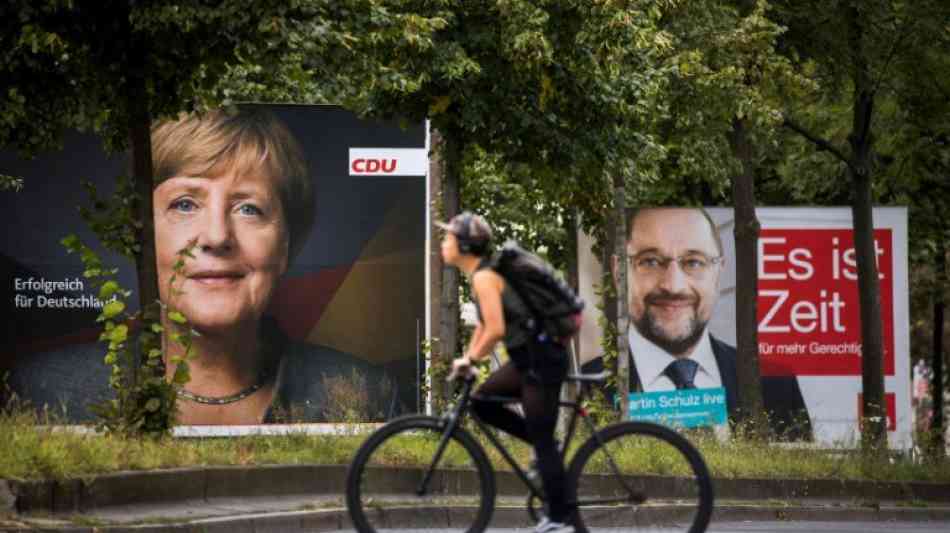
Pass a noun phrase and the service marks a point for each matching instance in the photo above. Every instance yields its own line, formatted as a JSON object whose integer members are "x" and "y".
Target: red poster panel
{"x": 808, "y": 308}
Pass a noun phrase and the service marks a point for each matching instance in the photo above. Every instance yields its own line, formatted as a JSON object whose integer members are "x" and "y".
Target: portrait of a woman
{"x": 234, "y": 189}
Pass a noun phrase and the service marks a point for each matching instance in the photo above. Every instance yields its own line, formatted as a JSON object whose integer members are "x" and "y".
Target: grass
{"x": 739, "y": 458}
{"x": 30, "y": 449}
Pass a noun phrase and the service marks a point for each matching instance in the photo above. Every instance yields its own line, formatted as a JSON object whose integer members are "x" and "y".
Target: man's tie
{"x": 682, "y": 372}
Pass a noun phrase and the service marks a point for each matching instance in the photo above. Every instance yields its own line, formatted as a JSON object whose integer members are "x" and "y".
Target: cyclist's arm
{"x": 487, "y": 286}
{"x": 476, "y": 334}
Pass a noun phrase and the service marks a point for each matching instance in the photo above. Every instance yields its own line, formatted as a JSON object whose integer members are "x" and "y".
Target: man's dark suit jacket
{"x": 781, "y": 395}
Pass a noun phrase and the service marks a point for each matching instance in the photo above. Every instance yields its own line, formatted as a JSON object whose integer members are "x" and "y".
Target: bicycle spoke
{"x": 387, "y": 496}
{"x": 659, "y": 487}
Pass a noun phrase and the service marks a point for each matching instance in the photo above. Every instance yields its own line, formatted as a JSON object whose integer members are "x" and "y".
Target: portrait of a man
{"x": 674, "y": 260}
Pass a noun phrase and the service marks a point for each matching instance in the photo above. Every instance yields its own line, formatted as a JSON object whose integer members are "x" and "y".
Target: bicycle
{"x": 607, "y": 482}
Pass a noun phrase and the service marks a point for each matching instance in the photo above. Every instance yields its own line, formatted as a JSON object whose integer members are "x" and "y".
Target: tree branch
{"x": 822, "y": 144}
{"x": 898, "y": 42}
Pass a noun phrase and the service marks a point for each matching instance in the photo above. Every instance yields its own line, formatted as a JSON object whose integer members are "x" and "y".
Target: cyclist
{"x": 534, "y": 373}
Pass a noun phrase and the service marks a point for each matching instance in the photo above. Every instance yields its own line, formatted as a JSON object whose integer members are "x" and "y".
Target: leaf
{"x": 177, "y": 317}
{"x": 108, "y": 289}
{"x": 440, "y": 105}
{"x": 546, "y": 91}
{"x": 112, "y": 309}
{"x": 182, "y": 376}
{"x": 71, "y": 242}
{"x": 119, "y": 333}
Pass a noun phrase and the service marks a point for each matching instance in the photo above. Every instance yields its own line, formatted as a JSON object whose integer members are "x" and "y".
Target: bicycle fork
{"x": 633, "y": 496}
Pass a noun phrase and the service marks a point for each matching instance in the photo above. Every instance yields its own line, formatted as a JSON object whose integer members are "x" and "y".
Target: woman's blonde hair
{"x": 248, "y": 139}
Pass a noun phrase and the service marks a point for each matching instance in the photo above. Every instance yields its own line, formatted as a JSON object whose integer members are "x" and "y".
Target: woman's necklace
{"x": 231, "y": 398}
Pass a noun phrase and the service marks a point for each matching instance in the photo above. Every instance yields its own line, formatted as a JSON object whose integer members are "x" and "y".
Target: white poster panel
{"x": 809, "y": 314}
{"x": 808, "y": 317}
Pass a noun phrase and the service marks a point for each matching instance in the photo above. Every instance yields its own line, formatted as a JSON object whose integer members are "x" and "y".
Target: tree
{"x": 556, "y": 86}
{"x": 917, "y": 162}
{"x": 852, "y": 47}
{"x": 724, "y": 109}
{"x": 112, "y": 66}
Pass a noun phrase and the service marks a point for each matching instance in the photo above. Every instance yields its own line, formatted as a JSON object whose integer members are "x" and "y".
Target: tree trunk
{"x": 573, "y": 274}
{"x": 451, "y": 155}
{"x": 609, "y": 303}
{"x": 435, "y": 268}
{"x": 746, "y": 232}
{"x": 620, "y": 258}
{"x": 874, "y": 419}
{"x": 570, "y": 222}
{"x": 140, "y": 136}
{"x": 874, "y": 423}
{"x": 937, "y": 389}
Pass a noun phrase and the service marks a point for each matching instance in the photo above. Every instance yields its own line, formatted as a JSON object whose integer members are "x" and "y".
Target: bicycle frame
{"x": 457, "y": 413}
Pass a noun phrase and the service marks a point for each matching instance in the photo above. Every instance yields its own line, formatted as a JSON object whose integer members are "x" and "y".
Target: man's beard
{"x": 653, "y": 332}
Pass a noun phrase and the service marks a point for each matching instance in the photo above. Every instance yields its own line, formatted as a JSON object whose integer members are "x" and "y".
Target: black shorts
{"x": 544, "y": 362}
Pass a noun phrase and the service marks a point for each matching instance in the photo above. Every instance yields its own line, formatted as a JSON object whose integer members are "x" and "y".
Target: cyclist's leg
{"x": 506, "y": 381}
{"x": 540, "y": 403}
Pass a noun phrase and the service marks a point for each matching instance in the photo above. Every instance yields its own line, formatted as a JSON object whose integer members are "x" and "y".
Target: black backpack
{"x": 555, "y": 306}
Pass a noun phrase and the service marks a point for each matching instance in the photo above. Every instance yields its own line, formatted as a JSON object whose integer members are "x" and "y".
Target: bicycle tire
{"x": 659, "y": 463}
{"x": 381, "y": 495}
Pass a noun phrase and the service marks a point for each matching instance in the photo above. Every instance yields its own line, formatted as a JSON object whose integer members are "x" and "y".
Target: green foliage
{"x": 113, "y": 218}
{"x": 436, "y": 373}
{"x": 506, "y": 196}
{"x": 725, "y": 67}
{"x": 437, "y": 369}
{"x": 67, "y": 65}
{"x": 560, "y": 88}
{"x": 145, "y": 401}
{"x": 349, "y": 401}
{"x": 600, "y": 409}
{"x": 10, "y": 183}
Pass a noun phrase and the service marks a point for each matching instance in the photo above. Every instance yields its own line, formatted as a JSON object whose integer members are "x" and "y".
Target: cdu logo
{"x": 388, "y": 162}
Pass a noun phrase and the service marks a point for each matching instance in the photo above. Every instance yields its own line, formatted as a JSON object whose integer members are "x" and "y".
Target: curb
{"x": 180, "y": 484}
{"x": 168, "y": 486}
{"x": 174, "y": 485}
{"x": 503, "y": 517}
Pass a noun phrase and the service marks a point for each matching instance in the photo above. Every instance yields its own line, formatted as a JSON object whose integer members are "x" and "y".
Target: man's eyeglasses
{"x": 694, "y": 265}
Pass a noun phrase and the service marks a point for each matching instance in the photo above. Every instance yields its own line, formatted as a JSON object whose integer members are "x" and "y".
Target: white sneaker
{"x": 547, "y": 526}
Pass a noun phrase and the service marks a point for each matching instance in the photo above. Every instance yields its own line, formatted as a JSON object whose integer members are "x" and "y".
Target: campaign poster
{"x": 809, "y": 321}
{"x": 808, "y": 314}
{"x": 307, "y": 226}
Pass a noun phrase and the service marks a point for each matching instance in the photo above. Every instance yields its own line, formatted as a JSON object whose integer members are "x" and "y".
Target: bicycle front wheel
{"x": 386, "y": 486}
{"x": 640, "y": 477}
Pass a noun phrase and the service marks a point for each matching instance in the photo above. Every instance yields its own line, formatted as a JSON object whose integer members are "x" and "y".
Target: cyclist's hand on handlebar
{"x": 462, "y": 368}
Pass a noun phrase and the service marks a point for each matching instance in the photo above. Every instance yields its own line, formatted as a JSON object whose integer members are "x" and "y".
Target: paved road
{"x": 772, "y": 527}
{"x": 830, "y": 527}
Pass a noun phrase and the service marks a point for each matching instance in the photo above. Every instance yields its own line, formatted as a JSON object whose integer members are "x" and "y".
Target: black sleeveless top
{"x": 516, "y": 313}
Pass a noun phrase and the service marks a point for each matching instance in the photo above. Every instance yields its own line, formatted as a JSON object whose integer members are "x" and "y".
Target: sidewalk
{"x": 310, "y": 498}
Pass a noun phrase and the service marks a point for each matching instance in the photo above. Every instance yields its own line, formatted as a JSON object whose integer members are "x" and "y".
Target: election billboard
{"x": 306, "y": 284}
{"x": 681, "y": 289}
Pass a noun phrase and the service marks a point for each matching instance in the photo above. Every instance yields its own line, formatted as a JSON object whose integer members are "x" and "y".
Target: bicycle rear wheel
{"x": 387, "y": 472}
{"x": 663, "y": 483}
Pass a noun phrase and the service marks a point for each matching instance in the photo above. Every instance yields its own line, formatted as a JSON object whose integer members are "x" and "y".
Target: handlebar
{"x": 468, "y": 373}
